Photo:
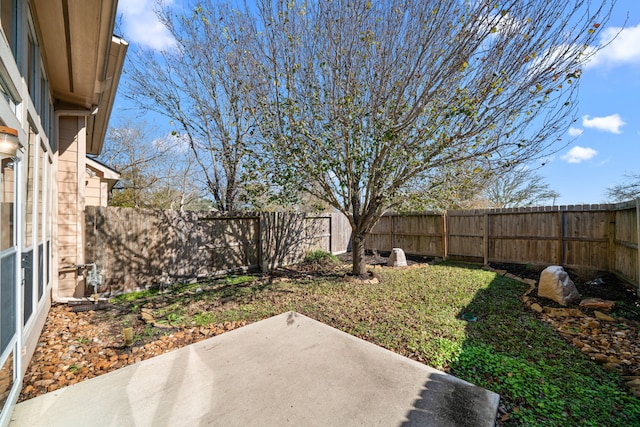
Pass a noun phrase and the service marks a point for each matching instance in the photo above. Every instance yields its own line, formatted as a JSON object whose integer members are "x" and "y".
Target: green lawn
{"x": 416, "y": 312}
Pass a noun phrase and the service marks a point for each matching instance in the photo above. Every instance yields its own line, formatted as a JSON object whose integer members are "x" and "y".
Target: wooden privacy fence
{"x": 602, "y": 237}
{"x": 137, "y": 248}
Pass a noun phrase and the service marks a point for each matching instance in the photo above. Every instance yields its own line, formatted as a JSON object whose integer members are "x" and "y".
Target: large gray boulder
{"x": 397, "y": 258}
{"x": 556, "y": 285}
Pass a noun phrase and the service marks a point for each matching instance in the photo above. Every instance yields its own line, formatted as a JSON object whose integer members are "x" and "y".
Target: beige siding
{"x": 71, "y": 174}
{"x": 93, "y": 196}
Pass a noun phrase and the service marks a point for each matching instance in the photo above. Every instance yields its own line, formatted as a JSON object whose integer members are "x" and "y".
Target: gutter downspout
{"x": 79, "y": 226}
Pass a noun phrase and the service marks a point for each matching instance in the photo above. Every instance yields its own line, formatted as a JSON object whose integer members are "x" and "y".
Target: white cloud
{"x": 611, "y": 123}
{"x": 619, "y": 46}
{"x": 141, "y": 26}
{"x": 579, "y": 154}
{"x": 575, "y": 131}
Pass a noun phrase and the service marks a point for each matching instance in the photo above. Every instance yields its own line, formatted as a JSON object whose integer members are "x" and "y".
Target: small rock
{"x": 577, "y": 343}
{"x": 614, "y": 359}
{"x": 634, "y": 383}
{"x": 536, "y": 307}
{"x": 597, "y": 303}
{"x": 586, "y": 349}
{"x": 161, "y": 325}
{"x": 596, "y": 282}
{"x": 563, "y": 312}
{"x": 147, "y": 317}
{"x": 43, "y": 383}
{"x": 604, "y": 317}
{"x": 513, "y": 277}
{"x": 611, "y": 367}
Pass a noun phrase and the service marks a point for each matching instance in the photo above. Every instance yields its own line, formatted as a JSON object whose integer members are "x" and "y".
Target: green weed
{"x": 416, "y": 312}
{"x": 320, "y": 257}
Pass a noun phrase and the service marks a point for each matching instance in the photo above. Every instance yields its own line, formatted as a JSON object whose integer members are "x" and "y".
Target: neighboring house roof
{"x": 84, "y": 60}
{"x": 108, "y": 174}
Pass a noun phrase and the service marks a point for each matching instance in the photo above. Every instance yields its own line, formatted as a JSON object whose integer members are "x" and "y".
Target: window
{"x": 8, "y": 90}
{"x": 43, "y": 105}
{"x": 9, "y": 21}
{"x": 32, "y": 69}
{"x": 34, "y": 73}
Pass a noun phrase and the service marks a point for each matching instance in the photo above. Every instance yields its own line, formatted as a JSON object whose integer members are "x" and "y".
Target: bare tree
{"x": 519, "y": 187}
{"x": 628, "y": 190}
{"x": 198, "y": 84}
{"x": 156, "y": 173}
{"x": 356, "y": 99}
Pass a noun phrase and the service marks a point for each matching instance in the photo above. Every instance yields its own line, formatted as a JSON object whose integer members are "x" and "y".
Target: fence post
{"x": 331, "y": 233}
{"x": 391, "y": 225}
{"x": 485, "y": 238}
{"x": 560, "y": 237}
{"x": 445, "y": 237}
{"x": 262, "y": 239}
{"x": 612, "y": 241}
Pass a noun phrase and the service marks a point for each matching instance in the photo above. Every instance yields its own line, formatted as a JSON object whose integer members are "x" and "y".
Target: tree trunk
{"x": 359, "y": 264}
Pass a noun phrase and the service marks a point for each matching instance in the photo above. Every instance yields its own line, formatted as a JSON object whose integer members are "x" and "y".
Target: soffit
{"x": 75, "y": 38}
{"x": 98, "y": 123}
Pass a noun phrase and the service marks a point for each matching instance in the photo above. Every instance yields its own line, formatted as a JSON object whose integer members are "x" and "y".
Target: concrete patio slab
{"x": 286, "y": 370}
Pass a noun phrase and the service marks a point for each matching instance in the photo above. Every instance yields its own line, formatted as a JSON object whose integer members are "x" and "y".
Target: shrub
{"x": 320, "y": 258}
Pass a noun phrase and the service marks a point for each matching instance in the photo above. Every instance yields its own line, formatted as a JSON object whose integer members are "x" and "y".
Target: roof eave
{"x": 98, "y": 123}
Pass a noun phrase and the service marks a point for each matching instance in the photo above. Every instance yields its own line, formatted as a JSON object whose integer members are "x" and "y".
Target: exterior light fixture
{"x": 8, "y": 142}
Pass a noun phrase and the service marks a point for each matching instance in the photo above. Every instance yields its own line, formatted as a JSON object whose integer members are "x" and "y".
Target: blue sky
{"x": 604, "y": 141}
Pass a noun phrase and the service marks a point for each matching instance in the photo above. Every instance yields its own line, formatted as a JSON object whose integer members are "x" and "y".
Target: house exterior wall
{"x": 97, "y": 183}
{"x": 93, "y": 188}
{"x": 71, "y": 184}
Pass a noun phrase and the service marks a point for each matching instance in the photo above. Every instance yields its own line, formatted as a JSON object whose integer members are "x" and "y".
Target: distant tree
{"x": 154, "y": 172}
{"x": 517, "y": 188}
{"x": 199, "y": 85}
{"x": 456, "y": 187}
{"x": 358, "y": 100}
{"x": 628, "y": 190}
